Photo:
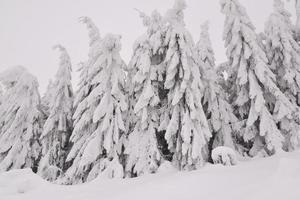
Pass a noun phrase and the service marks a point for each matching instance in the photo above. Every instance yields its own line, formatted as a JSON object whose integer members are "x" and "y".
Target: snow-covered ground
{"x": 272, "y": 178}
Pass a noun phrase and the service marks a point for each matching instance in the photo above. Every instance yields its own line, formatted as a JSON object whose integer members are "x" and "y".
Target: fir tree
{"x": 99, "y": 124}
{"x": 85, "y": 102}
{"x": 58, "y": 126}
{"x": 47, "y": 97}
{"x": 89, "y": 68}
{"x": 297, "y": 27}
{"x": 253, "y": 84}
{"x": 187, "y": 130}
{"x": 224, "y": 124}
{"x": 147, "y": 66}
{"x": 204, "y": 48}
{"x": 1, "y": 95}
{"x": 20, "y": 121}
{"x": 284, "y": 55}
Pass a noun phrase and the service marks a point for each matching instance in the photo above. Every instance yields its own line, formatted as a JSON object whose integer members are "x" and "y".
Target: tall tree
{"x": 85, "y": 105}
{"x": 20, "y": 121}
{"x": 148, "y": 67}
{"x": 224, "y": 124}
{"x": 58, "y": 126}
{"x": 284, "y": 54}
{"x": 187, "y": 129}
{"x": 253, "y": 84}
{"x": 99, "y": 117}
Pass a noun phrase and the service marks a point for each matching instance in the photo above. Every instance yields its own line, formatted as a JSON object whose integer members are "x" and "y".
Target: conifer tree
{"x": 89, "y": 68}
{"x": 20, "y": 121}
{"x": 1, "y": 95}
{"x": 84, "y": 105}
{"x": 148, "y": 67}
{"x": 47, "y": 97}
{"x": 187, "y": 129}
{"x": 252, "y": 83}
{"x": 58, "y": 126}
{"x": 204, "y": 48}
{"x": 297, "y": 27}
{"x": 284, "y": 55}
{"x": 224, "y": 124}
{"x": 99, "y": 121}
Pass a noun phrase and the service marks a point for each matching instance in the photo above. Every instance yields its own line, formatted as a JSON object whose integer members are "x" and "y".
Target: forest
{"x": 171, "y": 103}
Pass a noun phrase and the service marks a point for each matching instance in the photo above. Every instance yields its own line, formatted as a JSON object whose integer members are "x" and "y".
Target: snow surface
{"x": 272, "y": 178}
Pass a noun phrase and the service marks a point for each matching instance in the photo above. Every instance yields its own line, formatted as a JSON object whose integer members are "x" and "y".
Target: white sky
{"x": 29, "y": 28}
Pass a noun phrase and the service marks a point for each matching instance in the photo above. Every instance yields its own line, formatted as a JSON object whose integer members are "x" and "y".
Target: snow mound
{"x": 166, "y": 167}
{"x": 19, "y": 182}
{"x": 224, "y": 155}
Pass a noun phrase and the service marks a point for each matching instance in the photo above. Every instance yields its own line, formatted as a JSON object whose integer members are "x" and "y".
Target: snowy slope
{"x": 272, "y": 178}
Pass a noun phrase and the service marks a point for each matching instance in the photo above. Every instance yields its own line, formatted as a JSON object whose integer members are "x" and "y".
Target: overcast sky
{"x": 29, "y": 28}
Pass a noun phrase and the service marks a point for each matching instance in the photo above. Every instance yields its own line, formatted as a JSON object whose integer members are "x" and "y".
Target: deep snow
{"x": 274, "y": 178}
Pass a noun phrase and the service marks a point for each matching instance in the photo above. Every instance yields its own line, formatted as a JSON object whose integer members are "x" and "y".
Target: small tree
{"x": 204, "y": 48}
{"x": 284, "y": 55}
{"x": 47, "y": 97}
{"x": 20, "y": 121}
{"x": 297, "y": 26}
{"x": 58, "y": 126}
{"x": 252, "y": 83}
{"x": 224, "y": 124}
{"x": 1, "y": 95}
{"x": 148, "y": 67}
{"x": 187, "y": 130}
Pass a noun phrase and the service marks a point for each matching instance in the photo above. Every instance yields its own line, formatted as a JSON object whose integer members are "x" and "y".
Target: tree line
{"x": 171, "y": 103}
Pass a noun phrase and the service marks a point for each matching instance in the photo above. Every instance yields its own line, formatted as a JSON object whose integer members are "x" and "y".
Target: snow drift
{"x": 273, "y": 178}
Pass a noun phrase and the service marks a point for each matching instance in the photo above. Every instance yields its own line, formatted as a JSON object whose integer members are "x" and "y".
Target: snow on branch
{"x": 175, "y": 15}
{"x": 94, "y": 33}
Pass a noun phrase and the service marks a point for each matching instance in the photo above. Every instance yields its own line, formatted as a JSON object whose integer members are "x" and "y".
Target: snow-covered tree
{"x": 94, "y": 39}
{"x": 20, "y": 121}
{"x": 89, "y": 68}
{"x": 253, "y": 85}
{"x": 147, "y": 67}
{"x": 47, "y": 97}
{"x": 187, "y": 129}
{"x": 58, "y": 126}
{"x": 284, "y": 55}
{"x": 99, "y": 121}
{"x": 297, "y": 27}
{"x": 223, "y": 122}
{"x": 83, "y": 126}
{"x": 204, "y": 48}
{"x": 1, "y": 94}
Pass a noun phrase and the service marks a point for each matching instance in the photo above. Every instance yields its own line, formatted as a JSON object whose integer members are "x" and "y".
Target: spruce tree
{"x": 99, "y": 121}
{"x": 1, "y": 95}
{"x": 297, "y": 27}
{"x": 187, "y": 129}
{"x": 20, "y": 121}
{"x": 84, "y": 106}
{"x": 147, "y": 68}
{"x": 253, "y": 85}
{"x": 223, "y": 123}
{"x": 284, "y": 54}
{"x": 58, "y": 127}
{"x": 47, "y": 97}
